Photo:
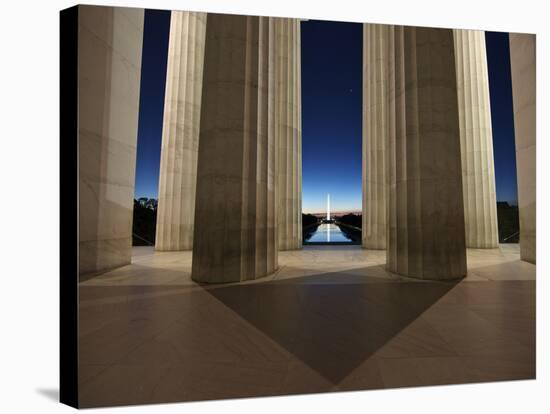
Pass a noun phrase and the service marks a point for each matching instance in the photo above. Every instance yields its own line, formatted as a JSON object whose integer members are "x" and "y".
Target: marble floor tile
{"x": 330, "y": 319}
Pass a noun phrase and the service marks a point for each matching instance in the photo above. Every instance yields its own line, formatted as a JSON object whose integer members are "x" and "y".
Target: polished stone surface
{"x": 330, "y": 319}
{"x": 109, "y": 70}
{"x": 476, "y": 139}
{"x": 426, "y": 236}
{"x": 235, "y": 225}
{"x": 523, "y": 69}
{"x": 180, "y": 131}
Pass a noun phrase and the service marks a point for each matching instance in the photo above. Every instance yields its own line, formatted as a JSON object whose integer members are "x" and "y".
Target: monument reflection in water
{"x": 328, "y": 232}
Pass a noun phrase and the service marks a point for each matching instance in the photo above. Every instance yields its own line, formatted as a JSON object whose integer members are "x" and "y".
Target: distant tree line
{"x": 309, "y": 225}
{"x": 351, "y": 219}
{"x": 508, "y": 222}
{"x": 350, "y": 224}
{"x": 145, "y": 224}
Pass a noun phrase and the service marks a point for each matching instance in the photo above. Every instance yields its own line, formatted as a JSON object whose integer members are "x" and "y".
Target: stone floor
{"x": 330, "y": 319}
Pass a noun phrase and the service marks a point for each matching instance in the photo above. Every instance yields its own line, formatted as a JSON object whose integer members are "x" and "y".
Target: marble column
{"x": 375, "y": 134}
{"x": 523, "y": 66}
{"x": 235, "y": 224}
{"x": 180, "y": 132}
{"x": 426, "y": 236}
{"x": 476, "y": 139}
{"x": 109, "y": 70}
{"x": 288, "y": 128}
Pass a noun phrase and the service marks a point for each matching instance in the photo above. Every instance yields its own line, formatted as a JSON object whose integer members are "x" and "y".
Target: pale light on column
{"x": 180, "y": 132}
{"x": 288, "y": 129}
{"x": 476, "y": 139}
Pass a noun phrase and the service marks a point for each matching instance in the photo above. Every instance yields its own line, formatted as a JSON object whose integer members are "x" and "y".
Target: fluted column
{"x": 426, "y": 211}
{"x": 476, "y": 139}
{"x": 180, "y": 132}
{"x": 235, "y": 203}
{"x": 523, "y": 66}
{"x": 109, "y": 70}
{"x": 375, "y": 134}
{"x": 288, "y": 127}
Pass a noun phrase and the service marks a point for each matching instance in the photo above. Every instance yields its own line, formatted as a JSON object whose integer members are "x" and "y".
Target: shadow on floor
{"x": 51, "y": 394}
{"x": 332, "y": 327}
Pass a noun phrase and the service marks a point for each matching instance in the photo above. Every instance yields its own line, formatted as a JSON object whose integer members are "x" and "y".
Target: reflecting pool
{"x": 328, "y": 233}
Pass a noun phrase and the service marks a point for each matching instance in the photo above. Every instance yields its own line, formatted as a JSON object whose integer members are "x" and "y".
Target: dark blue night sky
{"x": 331, "y": 112}
{"x": 502, "y": 115}
{"x": 156, "y": 32}
{"x": 332, "y": 55}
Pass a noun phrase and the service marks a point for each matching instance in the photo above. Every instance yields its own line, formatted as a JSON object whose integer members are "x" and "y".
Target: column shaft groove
{"x": 288, "y": 129}
{"x": 476, "y": 139}
{"x": 523, "y": 70}
{"x": 375, "y": 134}
{"x": 425, "y": 209}
{"x": 234, "y": 222}
{"x": 180, "y": 133}
{"x": 110, "y": 43}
